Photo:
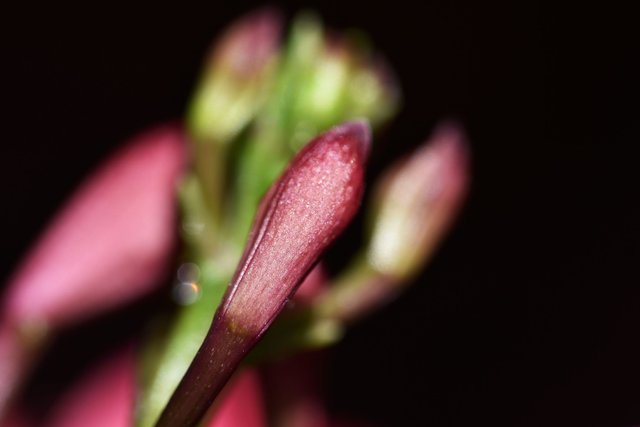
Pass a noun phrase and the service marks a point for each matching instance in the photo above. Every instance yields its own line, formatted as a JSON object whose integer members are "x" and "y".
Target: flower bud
{"x": 303, "y": 212}
{"x": 415, "y": 203}
{"x": 110, "y": 243}
{"x": 235, "y": 78}
{"x": 335, "y": 79}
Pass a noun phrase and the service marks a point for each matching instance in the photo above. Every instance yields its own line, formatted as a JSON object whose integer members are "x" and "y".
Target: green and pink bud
{"x": 415, "y": 203}
{"x": 236, "y": 78}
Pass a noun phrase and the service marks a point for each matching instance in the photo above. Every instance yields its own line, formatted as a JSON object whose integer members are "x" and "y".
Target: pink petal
{"x": 241, "y": 404}
{"x": 312, "y": 285}
{"x": 110, "y": 243}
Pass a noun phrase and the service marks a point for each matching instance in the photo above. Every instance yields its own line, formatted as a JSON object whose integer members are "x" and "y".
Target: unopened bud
{"x": 415, "y": 203}
{"x": 236, "y": 78}
{"x": 109, "y": 244}
{"x": 336, "y": 79}
{"x": 303, "y": 212}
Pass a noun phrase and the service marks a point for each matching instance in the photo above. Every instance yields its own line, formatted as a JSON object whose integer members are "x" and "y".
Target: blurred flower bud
{"x": 414, "y": 205}
{"x": 335, "y": 79}
{"x": 303, "y": 212}
{"x": 236, "y": 77}
{"x": 110, "y": 243}
{"x": 416, "y": 202}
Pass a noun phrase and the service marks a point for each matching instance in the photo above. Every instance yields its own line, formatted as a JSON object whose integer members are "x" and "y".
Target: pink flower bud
{"x": 416, "y": 203}
{"x": 248, "y": 46}
{"x": 110, "y": 243}
{"x": 301, "y": 215}
{"x": 303, "y": 212}
{"x": 236, "y": 77}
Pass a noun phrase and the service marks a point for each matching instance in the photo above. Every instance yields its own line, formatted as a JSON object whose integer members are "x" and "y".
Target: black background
{"x": 529, "y": 313}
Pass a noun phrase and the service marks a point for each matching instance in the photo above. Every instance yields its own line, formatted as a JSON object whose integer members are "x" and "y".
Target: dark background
{"x": 529, "y": 313}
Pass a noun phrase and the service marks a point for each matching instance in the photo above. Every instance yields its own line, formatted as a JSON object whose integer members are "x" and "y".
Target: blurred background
{"x": 529, "y": 313}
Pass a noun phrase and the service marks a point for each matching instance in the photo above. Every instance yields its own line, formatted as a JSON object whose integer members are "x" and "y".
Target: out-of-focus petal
{"x": 17, "y": 419}
{"x": 110, "y": 243}
{"x": 104, "y": 398}
{"x": 13, "y": 362}
{"x": 241, "y": 403}
{"x": 312, "y": 285}
{"x": 294, "y": 391}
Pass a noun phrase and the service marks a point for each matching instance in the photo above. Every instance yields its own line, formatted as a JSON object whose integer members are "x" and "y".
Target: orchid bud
{"x": 303, "y": 212}
{"x": 416, "y": 202}
{"x": 236, "y": 78}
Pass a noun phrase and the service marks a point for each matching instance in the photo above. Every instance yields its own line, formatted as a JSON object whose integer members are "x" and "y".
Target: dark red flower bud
{"x": 303, "y": 212}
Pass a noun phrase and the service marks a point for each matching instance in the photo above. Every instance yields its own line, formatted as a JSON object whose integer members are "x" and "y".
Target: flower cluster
{"x": 267, "y": 172}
